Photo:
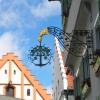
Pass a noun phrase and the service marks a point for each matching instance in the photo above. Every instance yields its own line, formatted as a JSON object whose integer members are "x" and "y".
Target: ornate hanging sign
{"x": 70, "y": 41}
{"x": 40, "y": 55}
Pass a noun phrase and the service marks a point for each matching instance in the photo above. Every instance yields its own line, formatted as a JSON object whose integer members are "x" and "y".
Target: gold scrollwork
{"x": 43, "y": 32}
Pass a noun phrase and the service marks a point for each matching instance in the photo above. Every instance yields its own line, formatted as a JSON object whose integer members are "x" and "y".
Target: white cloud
{"x": 0, "y": 1}
{"x": 12, "y": 42}
{"x": 24, "y": 15}
{"x": 46, "y": 9}
{"x": 8, "y": 19}
{"x": 16, "y": 14}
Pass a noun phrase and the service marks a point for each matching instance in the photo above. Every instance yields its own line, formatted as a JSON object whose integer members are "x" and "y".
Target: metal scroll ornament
{"x": 72, "y": 42}
{"x": 40, "y": 55}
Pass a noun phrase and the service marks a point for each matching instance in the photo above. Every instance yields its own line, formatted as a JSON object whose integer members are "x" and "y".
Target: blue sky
{"x": 20, "y": 24}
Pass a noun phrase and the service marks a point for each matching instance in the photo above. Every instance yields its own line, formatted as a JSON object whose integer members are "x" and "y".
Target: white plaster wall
{"x": 26, "y": 80}
{"x": 38, "y": 97}
{"x": 1, "y": 89}
{"x": 72, "y": 18}
{"x": 95, "y": 81}
{"x": 18, "y": 91}
{"x": 4, "y": 77}
{"x": 16, "y": 79}
{"x": 59, "y": 72}
{"x": 31, "y": 92}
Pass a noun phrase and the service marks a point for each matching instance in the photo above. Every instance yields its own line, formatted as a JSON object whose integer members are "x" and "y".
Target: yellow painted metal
{"x": 43, "y": 32}
{"x": 97, "y": 65}
{"x": 85, "y": 89}
{"x": 63, "y": 21}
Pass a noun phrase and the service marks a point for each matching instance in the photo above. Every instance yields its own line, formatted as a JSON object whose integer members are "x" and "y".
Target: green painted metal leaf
{"x": 48, "y": 55}
{"x": 35, "y": 58}
{"x": 45, "y": 57}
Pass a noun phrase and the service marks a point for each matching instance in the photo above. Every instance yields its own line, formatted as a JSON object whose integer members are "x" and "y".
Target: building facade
{"x": 16, "y": 81}
{"x": 62, "y": 83}
{"x": 2, "y": 97}
{"x": 84, "y": 15}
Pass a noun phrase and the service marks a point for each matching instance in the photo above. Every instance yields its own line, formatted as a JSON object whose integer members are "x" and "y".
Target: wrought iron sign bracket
{"x": 72, "y": 42}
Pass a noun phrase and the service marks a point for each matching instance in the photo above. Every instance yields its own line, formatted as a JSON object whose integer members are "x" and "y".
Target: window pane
{"x": 78, "y": 86}
{"x": 58, "y": 86}
{"x": 65, "y": 7}
{"x": 81, "y": 73}
{"x": 86, "y": 67}
{"x": 5, "y": 71}
{"x": 75, "y": 87}
{"x": 97, "y": 39}
{"x": 14, "y": 72}
{"x": 28, "y": 92}
{"x": 56, "y": 93}
{"x": 54, "y": 96}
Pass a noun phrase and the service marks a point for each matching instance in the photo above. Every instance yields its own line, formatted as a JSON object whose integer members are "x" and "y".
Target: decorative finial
{"x": 43, "y": 32}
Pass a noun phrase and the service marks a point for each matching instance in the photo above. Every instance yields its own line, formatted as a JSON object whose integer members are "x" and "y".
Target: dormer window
{"x": 28, "y": 92}
{"x": 5, "y": 71}
{"x": 14, "y": 72}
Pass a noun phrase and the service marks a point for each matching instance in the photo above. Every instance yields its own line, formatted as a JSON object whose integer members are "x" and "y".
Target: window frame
{"x": 58, "y": 86}
{"x": 96, "y": 27}
{"x": 28, "y": 92}
{"x": 97, "y": 38}
{"x": 77, "y": 91}
{"x": 65, "y": 7}
{"x": 14, "y": 72}
{"x": 56, "y": 92}
{"x": 5, "y": 71}
{"x": 54, "y": 96}
{"x": 84, "y": 73}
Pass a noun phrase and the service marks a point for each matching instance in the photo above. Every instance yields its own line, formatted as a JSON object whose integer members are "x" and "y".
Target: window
{"x": 84, "y": 70}
{"x": 58, "y": 86}
{"x": 28, "y": 92}
{"x": 56, "y": 93}
{"x": 97, "y": 39}
{"x": 77, "y": 92}
{"x": 14, "y": 72}
{"x": 54, "y": 96}
{"x": 65, "y": 7}
{"x": 82, "y": 78}
{"x": 5, "y": 71}
{"x": 97, "y": 32}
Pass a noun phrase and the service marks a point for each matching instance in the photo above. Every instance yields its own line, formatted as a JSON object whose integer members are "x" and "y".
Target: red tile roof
{"x": 69, "y": 77}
